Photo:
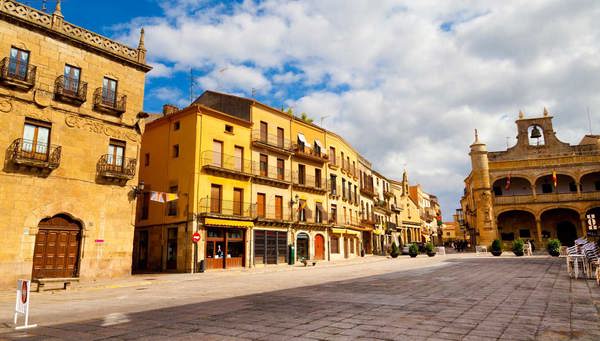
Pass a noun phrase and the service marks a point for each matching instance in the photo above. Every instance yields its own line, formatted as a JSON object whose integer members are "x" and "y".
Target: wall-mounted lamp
{"x": 295, "y": 200}
{"x": 139, "y": 189}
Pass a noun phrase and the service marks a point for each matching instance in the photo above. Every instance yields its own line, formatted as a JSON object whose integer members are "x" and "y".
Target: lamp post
{"x": 139, "y": 189}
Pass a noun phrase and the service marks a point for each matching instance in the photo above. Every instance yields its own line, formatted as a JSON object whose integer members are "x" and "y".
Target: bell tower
{"x": 485, "y": 225}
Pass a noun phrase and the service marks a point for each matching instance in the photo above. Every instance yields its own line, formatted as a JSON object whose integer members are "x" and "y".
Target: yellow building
{"x": 540, "y": 188}
{"x": 71, "y": 112}
{"x": 411, "y": 223}
{"x": 367, "y": 216}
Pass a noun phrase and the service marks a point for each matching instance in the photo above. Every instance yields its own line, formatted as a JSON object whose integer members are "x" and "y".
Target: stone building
{"x": 71, "y": 116}
{"x": 540, "y": 188}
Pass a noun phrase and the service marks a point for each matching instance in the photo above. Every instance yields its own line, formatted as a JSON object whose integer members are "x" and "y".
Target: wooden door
{"x": 217, "y": 155}
{"x": 280, "y": 142}
{"x": 238, "y": 198}
{"x": 319, "y": 247}
{"x": 263, "y": 131}
{"x": 260, "y": 204}
{"x": 36, "y": 140}
{"x": 109, "y": 91}
{"x": 215, "y": 199}
{"x": 56, "y": 251}
{"x": 239, "y": 159}
{"x": 278, "y": 207}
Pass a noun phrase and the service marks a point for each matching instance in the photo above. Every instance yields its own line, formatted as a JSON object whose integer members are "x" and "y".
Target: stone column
{"x": 578, "y": 185}
{"x": 538, "y": 226}
{"x": 583, "y": 225}
{"x": 533, "y": 191}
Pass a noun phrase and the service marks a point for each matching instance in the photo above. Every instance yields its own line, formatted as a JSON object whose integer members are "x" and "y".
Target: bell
{"x": 535, "y": 133}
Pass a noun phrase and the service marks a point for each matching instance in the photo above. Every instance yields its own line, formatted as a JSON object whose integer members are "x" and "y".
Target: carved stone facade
{"x": 62, "y": 175}
{"x": 541, "y": 188}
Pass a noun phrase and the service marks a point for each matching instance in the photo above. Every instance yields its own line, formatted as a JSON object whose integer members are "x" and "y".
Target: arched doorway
{"x": 57, "y": 245}
{"x": 302, "y": 244}
{"x": 319, "y": 247}
{"x": 517, "y": 224}
{"x": 561, "y": 223}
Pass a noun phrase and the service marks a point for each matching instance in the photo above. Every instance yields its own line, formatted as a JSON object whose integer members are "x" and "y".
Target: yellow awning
{"x": 226, "y": 222}
{"x": 336, "y": 230}
{"x": 356, "y": 233}
{"x": 378, "y": 232}
{"x": 345, "y": 231}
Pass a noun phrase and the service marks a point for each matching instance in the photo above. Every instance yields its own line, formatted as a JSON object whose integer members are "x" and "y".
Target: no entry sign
{"x": 22, "y": 302}
{"x": 196, "y": 237}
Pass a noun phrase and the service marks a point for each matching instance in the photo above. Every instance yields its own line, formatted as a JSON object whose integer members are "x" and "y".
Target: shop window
{"x": 335, "y": 244}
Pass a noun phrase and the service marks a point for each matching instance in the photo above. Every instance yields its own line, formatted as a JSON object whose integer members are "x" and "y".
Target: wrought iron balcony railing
{"x": 110, "y": 166}
{"x": 306, "y": 152}
{"x": 70, "y": 89}
{"x": 226, "y": 163}
{"x": 271, "y": 140}
{"x": 35, "y": 154}
{"x": 16, "y": 73}
{"x": 272, "y": 212}
{"x": 271, "y": 173}
{"x": 110, "y": 102}
{"x": 214, "y": 206}
{"x": 308, "y": 181}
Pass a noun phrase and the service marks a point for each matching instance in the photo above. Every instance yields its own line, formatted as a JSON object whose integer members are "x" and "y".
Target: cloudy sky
{"x": 405, "y": 82}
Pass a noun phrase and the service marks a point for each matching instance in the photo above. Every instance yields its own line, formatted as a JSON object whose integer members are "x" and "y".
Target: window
{"x": 215, "y": 198}
{"x": 572, "y": 186}
{"x": 176, "y": 125}
{"x": 238, "y": 201}
{"x": 18, "y": 63}
{"x": 116, "y": 152}
{"x": 176, "y": 151}
{"x": 260, "y": 204}
{"x": 145, "y": 205}
{"x": 280, "y": 140}
{"x": 301, "y": 174}
{"x": 332, "y": 155}
{"x": 280, "y": 169}
{"x": 335, "y": 244}
{"x": 72, "y": 75}
{"x": 36, "y": 140}
{"x": 109, "y": 92}
{"x": 355, "y": 194}
{"x": 278, "y": 207}
{"x": 317, "y": 148}
{"x": 217, "y": 154}
{"x": 264, "y": 164}
{"x": 172, "y": 205}
{"x": 317, "y": 178}
{"x": 345, "y": 216}
{"x": 229, "y": 129}
{"x": 333, "y": 217}
{"x": 239, "y": 158}
{"x": 264, "y": 131}
{"x": 354, "y": 168}
{"x": 318, "y": 216}
{"x": 343, "y": 188}
{"x": 333, "y": 181}
{"x": 302, "y": 210}
{"x": 147, "y": 159}
{"x": 342, "y": 157}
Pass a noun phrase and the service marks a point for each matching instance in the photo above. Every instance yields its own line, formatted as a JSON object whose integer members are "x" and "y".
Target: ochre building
{"x": 540, "y": 188}
{"x": 70, "y": 104}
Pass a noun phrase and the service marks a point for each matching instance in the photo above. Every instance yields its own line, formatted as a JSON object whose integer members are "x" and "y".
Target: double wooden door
{"x": 319, "y": 247}
{"x": 57, "y": 245}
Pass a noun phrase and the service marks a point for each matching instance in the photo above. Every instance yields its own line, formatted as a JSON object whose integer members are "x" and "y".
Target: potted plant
{"x": 413, "y": 250}
{"x": 518, "y": 247}
{"x": 395, "y": 252}
{"x": 429, "y": 249}
{"x": 554, "y": 247}
{"x": 496, "y": 247}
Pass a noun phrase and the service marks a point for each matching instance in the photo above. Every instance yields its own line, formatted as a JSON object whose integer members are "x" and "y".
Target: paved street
{"x": 457, "y": 297}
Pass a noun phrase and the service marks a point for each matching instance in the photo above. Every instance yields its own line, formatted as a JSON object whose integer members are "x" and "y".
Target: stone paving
{"x": 462, "y": 298}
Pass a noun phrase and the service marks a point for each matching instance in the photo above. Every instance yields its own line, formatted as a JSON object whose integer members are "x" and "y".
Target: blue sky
{"x": 405, "y": 82}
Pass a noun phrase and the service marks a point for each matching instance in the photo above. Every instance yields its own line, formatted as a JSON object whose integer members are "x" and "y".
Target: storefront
{"x": 270, "y": 247}
{"x": 225, "y": 245}
{"x": 302, "y": 246}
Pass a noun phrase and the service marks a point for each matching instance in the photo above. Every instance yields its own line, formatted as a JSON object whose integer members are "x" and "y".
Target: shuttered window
{"x": 270, "y": 247}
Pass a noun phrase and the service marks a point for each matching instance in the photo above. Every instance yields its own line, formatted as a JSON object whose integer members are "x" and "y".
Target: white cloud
{"x": 169, "y": 95}
{"x": 159, "y": 71}
{"x": 412, "y": 92}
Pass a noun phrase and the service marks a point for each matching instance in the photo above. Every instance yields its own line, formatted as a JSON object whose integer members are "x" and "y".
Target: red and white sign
{"x": 22, "y": 302}
{"x": 196, "y": 237}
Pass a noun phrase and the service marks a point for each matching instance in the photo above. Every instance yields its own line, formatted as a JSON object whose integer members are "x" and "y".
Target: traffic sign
{"x": 196, "y": 237}
{"x": 22, "y": 303}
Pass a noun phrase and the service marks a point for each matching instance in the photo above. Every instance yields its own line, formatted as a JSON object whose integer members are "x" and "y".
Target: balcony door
{"x": 109, "y": 92}
{"x": 217, "y": 154}
{"x": 215, "y": 199}
{"x": 264, "y": 129}
{"x": 238, "y": 201}
{"x": 278, "y": 207}
{"x": 18, "y": 64}
{"x": 116, "y": 152}
{"x": 36, "y": 141}
{"x": 71, "y": 80}
{"x": 280, "y": 141}
{"x": 239, "y": 159}
{"x": 260, "y": 204}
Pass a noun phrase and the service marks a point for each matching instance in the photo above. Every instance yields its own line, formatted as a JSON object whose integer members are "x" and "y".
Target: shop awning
{"x": 227, "y": 223}
{"x": 302, "y": 138}
{"x": 378, "y": 232}
{"x": 318, "y": 143}
{"x": 346, "y": 231}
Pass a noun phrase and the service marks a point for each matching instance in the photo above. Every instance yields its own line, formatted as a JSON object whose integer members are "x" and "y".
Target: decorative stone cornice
{"x": 54, "y": 23}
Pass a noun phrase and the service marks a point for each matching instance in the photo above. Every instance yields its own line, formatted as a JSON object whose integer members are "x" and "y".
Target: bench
{"x": 66, "y": 282}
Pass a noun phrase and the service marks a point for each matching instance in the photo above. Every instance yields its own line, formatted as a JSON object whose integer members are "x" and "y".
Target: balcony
{"x": 272, "y": 214}
{"x": 17, "y": 75}
{"x": 334, "y": 162}
{"x": 367, "y": 221}
{"x": 546, "y": 198}
{"x": 388, "y": 194}
{"x": 333, "y": 190}
{"x": 70, "y": 90}
{"x": 367, "y": 191}
{"x": 271, "y": 175}
{"x": 115, "y": 168}
{"x": 226, "y": 208}
{"x": 226, "y": 165}
{"x": 307, "y": 153}
{"x": 382, "y": 206}
{"x": 396, "y": 208}
{"x": 308, "y": 183}
{"x": 271, "y": 142}
{"x": 109, "y": 102}
{"x": 27, "y": 154}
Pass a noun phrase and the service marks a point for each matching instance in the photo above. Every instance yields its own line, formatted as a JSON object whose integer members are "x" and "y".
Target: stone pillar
{"x": 583, "y": 226}
{"x": 533, "y": 190}
{"x": 578, "y": 185}
{"x": 484, "y": 210}
{"x": 538, "y": 226}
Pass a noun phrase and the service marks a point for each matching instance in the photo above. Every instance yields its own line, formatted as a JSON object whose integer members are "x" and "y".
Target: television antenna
{"x": 589, "y": 120}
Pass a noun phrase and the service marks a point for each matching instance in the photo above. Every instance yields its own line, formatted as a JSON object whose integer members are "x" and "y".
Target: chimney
{"x": 169, "y": 109}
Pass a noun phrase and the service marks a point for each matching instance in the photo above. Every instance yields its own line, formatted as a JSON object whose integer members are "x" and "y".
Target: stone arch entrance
{"x": 516, "y": 224}
{"x": 57, "y": 248}
{"x": 561, "y": 223}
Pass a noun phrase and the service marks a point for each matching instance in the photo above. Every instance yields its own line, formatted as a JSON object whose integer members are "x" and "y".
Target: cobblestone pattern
{"x": 473, "y": 299}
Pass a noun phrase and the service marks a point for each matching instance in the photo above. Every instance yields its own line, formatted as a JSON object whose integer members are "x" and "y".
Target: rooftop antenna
{"x": 191, "y": 85}
{"x": 589, "y": 120}
{"x": 507, "y": 141}
{"x": 44, "y": 8}
{"x": 219, "y": 78}
{"x": 322, "y": 118}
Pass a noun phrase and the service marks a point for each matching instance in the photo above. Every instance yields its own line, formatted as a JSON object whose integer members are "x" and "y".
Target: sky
{"x": 405, "y": 82}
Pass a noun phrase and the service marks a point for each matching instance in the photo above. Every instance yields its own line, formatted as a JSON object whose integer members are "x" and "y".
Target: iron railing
{"x": 367, "y": 191}
{"x": 271, "y": 140}
{"x": 271, "y": 172}
{"x": 13, "y": 70}
{"x": 302, "y": 150}
{"x": 546, "y": 198}
{"x": 110, "y": 101}
{"x": 70, "y": 88}
{"x": 226, "y": 162}
{"x": 116, "y": 167}
{"x": 214, "y": 206}
{"x": 308, "y": 181}
{"x": 23, "y": 151}
{"x": 272, "y": 212}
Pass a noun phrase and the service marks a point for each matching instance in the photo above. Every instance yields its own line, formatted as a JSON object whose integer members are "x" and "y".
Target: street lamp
{"x": 139, "y": 189}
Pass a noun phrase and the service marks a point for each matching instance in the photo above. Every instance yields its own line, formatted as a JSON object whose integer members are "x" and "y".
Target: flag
{"x": 554, "y": 179}
{"x": 171, "y": 196}
{"x": 157, "y": 196}
{"x": 302, "y": 205}
{"x": 507, "y": 186}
